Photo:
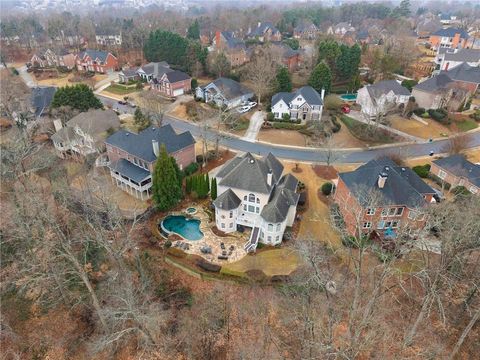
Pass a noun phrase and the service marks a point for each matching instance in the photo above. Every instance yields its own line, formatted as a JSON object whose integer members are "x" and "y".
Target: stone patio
{"x": 236, "y": 239}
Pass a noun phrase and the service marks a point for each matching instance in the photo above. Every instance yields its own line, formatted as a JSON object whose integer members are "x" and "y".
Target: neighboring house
{"x": 252, "y": 192}
{"x": 233, "y": 48}
{"x": 265, "y": 31}
{"x": 304, "y": 104}
{"x": 427, "y": 25}
{"x": 51, "y": 58}
{"x": 126, "y": 75}
{"x": 363, "y": 37}
{"x": 41, "y": 99}
{"x": 224, "y": 92}
{"x": 381, "y": 196}
{"x": 305, "y": 30}
{"x": 340, "y": 29}
{"x": 447, "y": 19}
{"x": 455, "y": 170}
{"x": 85, "y": 133}
{"x": 153, "y": 70}
{"x": 450, "y": 38}
{"x": 439, "y": 91}
{"x": 132, "y": 157}
{"x": 172, "y": 83}
{"x": 205, "y": 37}
{"x": 96, "y": 61}
{"x": 449, "y": 58}
{"x": 465, "y": 76}
{"x": 287, "y": 56}
{"x": 382, "y": 97}
{"x": 108, "y": 39}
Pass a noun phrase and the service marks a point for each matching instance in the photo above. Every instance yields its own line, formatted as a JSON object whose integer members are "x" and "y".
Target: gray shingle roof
{"x": 281, "y": 199}
{"x": 249, "y": 173}
{"x": 450, "y": 32}
{"x": 42, "y": 98}
{"x": 156, "y": 69}
{"x": 311, "y": 96}
{"x": 459, "y": 166}
{"x": 95, "y": 122}
{"x": 140, "y": 145}
{"x": 263, "y": 28}
{"x": 175, "y": 76}
{"x": 231, "y": 89}
{"x": 464, "y": 55}
{"x": 305, "y": 26}
{"x": 129, "y": 170}
{"x": 434, "y": 84}
{"x": 130, "y": 72}
{"x": 227, "y": 200}
{"x": 384, "y": 87}
{"x": 464, "y": 72}
{"x": 232, "y": 41}
{"x": 94, "y": 54}
{"x": 402, "y": 187}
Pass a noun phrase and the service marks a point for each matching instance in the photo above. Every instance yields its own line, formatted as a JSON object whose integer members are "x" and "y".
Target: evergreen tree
{"x": 178, "y": 172}
{"x": 141, "y": 120}
{"x": 207, "y": 181}
{"x": 79, "y": 97}
{"x": 193, "y": 31}
{"x": 284, "y": 84}
{"x": 329, "y": 50}
{"x": 321, "y": 77}
{"x": 343, "y": 63}
{"x": 188, "y": 185}
{"x": 213, "y": 189}
{"x": 165, "y": 185}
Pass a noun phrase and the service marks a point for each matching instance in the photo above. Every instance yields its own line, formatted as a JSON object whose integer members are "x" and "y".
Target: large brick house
{"x": 51, "y": 58}
{"x": 305, "y": 30}
{"x": 172, "y": 83}
{"x": 455, "y": 170}
{"x": 131, "y": 157}
{"x": 96, "y": 61}
{"x": 233, "y": 48}
{"x": 381, "y": 196}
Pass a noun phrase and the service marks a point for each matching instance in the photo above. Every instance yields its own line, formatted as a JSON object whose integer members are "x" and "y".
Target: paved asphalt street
{"x": 305, "y": 154}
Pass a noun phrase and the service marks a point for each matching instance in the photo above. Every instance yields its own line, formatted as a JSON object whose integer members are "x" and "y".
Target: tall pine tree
{"x": 284, "y": 84}
{"x": 321, "y": 78}
{"x": 213, "y": 189}
{"x": 166, "y": 188}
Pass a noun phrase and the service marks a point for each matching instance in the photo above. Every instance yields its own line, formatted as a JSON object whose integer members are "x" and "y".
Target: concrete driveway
{"x": 26, "y": 77}
{"x": 256, "y": 122}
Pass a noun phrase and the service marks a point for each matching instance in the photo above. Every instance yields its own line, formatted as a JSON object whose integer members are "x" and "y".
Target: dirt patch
{"x": 283, "y": 137}
{"x": 325, "y": 172}
{"x": 345, "y": 139}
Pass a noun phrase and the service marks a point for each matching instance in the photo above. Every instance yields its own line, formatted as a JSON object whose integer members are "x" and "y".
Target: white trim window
{"x": 399, "y": 211}
{"x": 370, "y": 211}
{"x": 442, "y": 174}
{"x": 395, "y": 224}
{"x": 367, "y": 225}
{"x": 380, "y": 224}
{"x": 473, "y": 189}
{"x": 384, "y": 212}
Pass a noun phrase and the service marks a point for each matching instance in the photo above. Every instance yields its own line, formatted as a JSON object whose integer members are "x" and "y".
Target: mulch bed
{"x": 223, "y": 157}
{"x": 325, "y": 172}
{"x": 218, "y": 232}
{"x": 328, "y": 200}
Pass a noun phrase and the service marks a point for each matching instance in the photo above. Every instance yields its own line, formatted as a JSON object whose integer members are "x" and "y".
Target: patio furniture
{"x": 222, "y": 245}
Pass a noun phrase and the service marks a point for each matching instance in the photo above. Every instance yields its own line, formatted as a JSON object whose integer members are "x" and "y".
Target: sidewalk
{"x": 256, "y": 122}
{"x": 357, "y": 115}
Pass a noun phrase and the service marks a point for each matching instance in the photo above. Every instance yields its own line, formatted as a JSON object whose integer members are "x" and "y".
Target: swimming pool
{"x": 348, "y": 97}
{"x": 189, "y": 229}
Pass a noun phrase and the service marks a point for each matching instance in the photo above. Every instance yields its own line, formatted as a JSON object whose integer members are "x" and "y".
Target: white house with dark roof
{"x": 450, "y": 58}
{"x": 382, "y": 97}
{"x": 131, "y": 157}
{"x": 304, "y": 104}
{"x": 265, "y": 31}
{"x": 253, "y": 193}
{"x": 224, "y": 92}
{"x": 153, "y": 70}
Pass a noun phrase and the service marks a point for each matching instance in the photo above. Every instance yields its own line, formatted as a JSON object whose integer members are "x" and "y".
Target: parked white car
{"x": 243, "y": 109}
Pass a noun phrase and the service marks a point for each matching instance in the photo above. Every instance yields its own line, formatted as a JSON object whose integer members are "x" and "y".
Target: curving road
{"x": 306, "y": 154}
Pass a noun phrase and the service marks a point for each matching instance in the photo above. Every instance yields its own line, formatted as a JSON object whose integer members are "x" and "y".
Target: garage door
{"x": 177, "y": 92}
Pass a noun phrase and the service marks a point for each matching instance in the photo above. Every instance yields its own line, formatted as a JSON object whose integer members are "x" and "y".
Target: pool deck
{"x": 236, "y": 239}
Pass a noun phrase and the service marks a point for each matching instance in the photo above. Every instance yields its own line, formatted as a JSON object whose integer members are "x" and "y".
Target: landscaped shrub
{"x": 439, "y": 115}
{"x": 336, "y": 125}
{"x": 461, "y": 191}
{"x": 168, "y": 244}
{"x": 409, "y": 84}
{"x": 419, "y": 111}
{"x": 287, "y": 125}
{"x": 327, "y": 188}
{"x": 190, "y": 169}
{"x": 286, "y": 117}
{"x": 476, "y": 115}
{"x": 270, "y": 116}
{"x": 422, "y": 170}
{"x": 439, "y": 181}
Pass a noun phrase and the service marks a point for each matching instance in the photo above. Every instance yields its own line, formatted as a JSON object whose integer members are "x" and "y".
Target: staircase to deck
{"x": 252, "y": 243}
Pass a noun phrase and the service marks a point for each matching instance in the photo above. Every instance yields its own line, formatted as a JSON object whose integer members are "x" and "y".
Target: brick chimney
{"x": 456, "y": 40}
{"x": 217, "y": 39}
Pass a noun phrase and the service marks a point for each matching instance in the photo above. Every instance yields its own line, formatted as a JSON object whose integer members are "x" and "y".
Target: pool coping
{"x": 173, "y": 232}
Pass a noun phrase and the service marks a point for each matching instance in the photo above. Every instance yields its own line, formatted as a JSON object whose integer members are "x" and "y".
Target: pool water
{"x": 189, "y": 229}
{"x": 349, "y": 97}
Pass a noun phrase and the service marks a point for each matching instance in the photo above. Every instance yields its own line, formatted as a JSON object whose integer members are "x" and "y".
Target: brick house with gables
{"x": 172, "y": 83}
{"x": 455, "y": 170}
{"x": 96, "y": 61}
{"x": 131, "y": 157}
{"x": 381, "y": 196}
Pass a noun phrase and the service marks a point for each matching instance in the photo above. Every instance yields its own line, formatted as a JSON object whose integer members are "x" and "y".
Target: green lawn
{"x": 362, "y": 131}
{"x": 272, "y": 262}
{"x": 120, "y": 89}
{"x": 466, "y": 125}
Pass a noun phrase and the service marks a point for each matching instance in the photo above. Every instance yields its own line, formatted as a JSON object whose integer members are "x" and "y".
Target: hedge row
{"x": 422, "y": 170}
{"x": 287, "y": 126}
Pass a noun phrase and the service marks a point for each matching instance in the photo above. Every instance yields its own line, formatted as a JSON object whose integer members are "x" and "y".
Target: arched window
{"x": 251, "y": 197}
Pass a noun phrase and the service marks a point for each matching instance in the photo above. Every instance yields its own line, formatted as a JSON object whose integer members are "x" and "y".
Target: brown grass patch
{"x": 325, "y": 172}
